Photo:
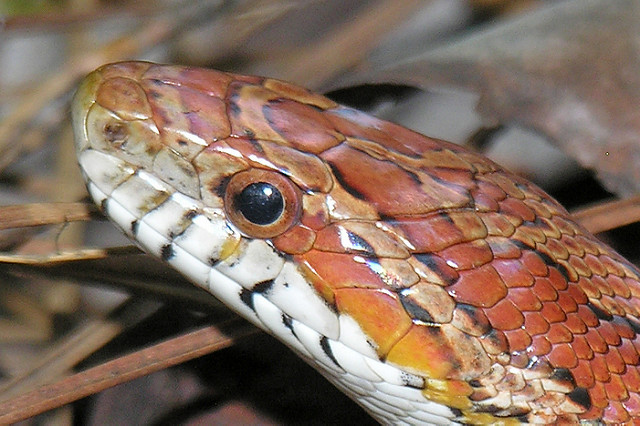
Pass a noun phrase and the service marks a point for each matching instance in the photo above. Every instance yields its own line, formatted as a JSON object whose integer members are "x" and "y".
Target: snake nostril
{"x": 115, "y": 133}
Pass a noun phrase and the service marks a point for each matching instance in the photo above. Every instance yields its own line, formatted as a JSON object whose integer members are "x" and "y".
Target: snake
{"x": 425, "y": 281}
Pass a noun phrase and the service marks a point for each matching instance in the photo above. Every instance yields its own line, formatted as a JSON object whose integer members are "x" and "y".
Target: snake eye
{"x": 262, "y": 203}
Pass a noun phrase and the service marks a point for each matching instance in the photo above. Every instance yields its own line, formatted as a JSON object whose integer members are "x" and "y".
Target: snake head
{"x": 196, "y": 131}
{"x": 397, "y": 264}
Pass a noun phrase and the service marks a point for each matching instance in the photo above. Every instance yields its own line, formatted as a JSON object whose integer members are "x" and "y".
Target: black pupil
{"x": 260, "y": 203}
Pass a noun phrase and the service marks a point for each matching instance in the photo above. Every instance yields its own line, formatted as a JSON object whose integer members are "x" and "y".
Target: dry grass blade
{"x": 18, "y": 222}
{"x": 118, "y": 267}
{"x": 76, "y": 346}
{"x": 51, "y": 259}
{"x": 162, "y": 355}
{"x": 609, "y": 215}
{"x": 39, "y": 214}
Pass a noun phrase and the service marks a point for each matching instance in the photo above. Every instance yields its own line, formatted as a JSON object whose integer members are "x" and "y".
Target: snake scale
{"x": 425, "y": 281}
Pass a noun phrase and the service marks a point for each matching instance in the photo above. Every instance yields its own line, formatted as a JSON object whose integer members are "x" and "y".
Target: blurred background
{"x": 547, "y": 88}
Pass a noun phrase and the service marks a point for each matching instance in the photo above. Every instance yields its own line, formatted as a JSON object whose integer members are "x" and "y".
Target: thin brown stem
{"x": 609, "y": 215}
{"x": 197, "y": 343}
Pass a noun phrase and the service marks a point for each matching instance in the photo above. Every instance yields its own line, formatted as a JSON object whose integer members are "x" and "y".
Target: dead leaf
{"x": 570, "y": 70}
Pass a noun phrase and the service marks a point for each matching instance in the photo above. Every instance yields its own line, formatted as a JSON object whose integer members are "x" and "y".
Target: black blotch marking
{"x": 563, "y": 271}
{"x": 254, "y": 143}
{"x": 446, "y": 217}
{"x": 326, "y": 348}
{"x": 431, "y": 262}
{"x": 234, "y": 109}
{"x": 288, "y": 322}
{"x": 427, "y": 259}
{"x": 624, "y": 322}
{"x": 476, "y": 314}
{"x": 166, "y": 253}
{"x": 492, "y": 337}
{"x": 553, "y": 264}
{"x": 414, "y": 177}
{"x": 213, "y": 261}
{"x": 580, "y": 396}
{"x": 266, "y": 113}
{"x": 188, "y": 215}
{"x": 250, "y": 134}
{"x": 340, "y": 178}
{"x": 182, "y": 142}
{"x": 521, "y": 245}
{"x": 475, "y": 383}
{"x": 437, "y": 333}
{"x": 545, "y": 258}
{"x": 286, "y": 256}
{"x": 104, "y": 206}
{"x": 409, "y": 381}
{"x": 135, "y": 224}
{"x": 456, "y": 411}
{"x": 391, "y": 219}
{"x": 602, "y": 315}
{"x": 246, "y": 296}
{"x": 191, "y": 214}
{"x": 563, "y": 375}
{"x": 523, "y": 418}
{"x": 359, "y": 243}
{"x": 221, "y": 188}
{"x": 490, "y": 409}
{"x": 413, "y": 309}
{"x": 634, "y": 324}
{"x": 263, "y": 287}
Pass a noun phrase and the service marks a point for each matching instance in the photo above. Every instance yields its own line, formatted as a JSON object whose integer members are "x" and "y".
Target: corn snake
{"x": 423, "y": 280}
